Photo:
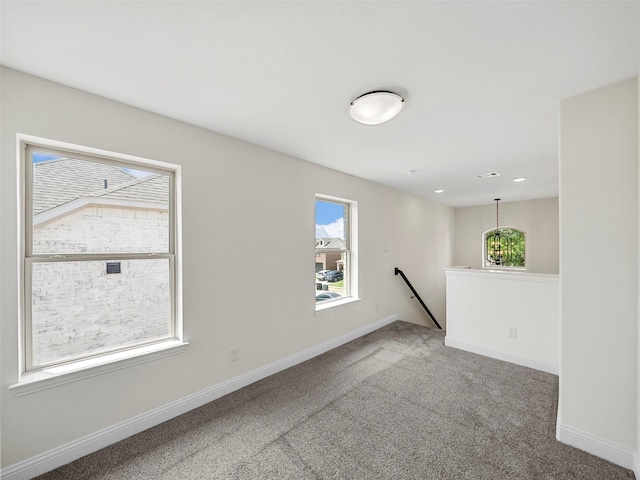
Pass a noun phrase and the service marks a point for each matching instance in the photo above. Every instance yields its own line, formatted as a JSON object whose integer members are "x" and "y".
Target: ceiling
{"x": 481, "y": 80}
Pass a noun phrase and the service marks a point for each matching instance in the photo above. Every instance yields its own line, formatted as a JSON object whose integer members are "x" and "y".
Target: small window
{"x": 334, "y": 263}
{"x": 504, "y": 248}
{"x": 100, "y": 255}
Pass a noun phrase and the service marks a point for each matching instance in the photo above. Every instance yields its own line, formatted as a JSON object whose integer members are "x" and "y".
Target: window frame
{"x": 30, "y": 371}
{"x": 349, "y": 252}
{"x": 502, "y": 267}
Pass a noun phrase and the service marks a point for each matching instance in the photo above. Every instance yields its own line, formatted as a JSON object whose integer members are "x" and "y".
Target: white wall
{"x": 599, "y": 270}
{"x": 235, "y": 196}
{"x": 537, "y": 218}
{"x": 482, "y": 305}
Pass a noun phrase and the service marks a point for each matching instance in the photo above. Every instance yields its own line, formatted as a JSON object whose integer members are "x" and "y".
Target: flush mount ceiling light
{"x": 519, "y": 179}
{"x": 438, "y": 191}
{"x": 377, "y": 107}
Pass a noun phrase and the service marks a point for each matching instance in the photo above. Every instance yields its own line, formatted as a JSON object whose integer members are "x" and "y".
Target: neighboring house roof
{"x": 66, "y": 181}
{"x": 333, "y": 243}
{"x": 154, "y": 188}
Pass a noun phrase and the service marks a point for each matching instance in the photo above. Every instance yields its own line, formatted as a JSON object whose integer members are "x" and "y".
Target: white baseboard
{"x": 71, "y": 451}
{"x": 504, "y": 355}
{"x": 618, "y": 454}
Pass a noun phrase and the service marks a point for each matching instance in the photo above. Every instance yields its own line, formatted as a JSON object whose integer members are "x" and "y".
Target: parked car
{"x": 320, "y": 275}
{"x": 334, "y": 276}
{"x": 324, "y": 296}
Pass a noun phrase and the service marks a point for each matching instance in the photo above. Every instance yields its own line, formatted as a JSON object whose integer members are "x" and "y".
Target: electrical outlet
{"x": 512, "y": 332}
{"x": 235, "y": 354}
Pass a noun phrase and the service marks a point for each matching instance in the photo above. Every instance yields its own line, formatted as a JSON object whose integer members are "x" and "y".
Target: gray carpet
{"x": 395, "y": 404}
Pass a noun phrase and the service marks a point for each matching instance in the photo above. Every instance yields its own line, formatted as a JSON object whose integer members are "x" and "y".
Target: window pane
{"x": 330, "y": 223}
{"x": 78, "y": 309}
{"x": 80, "y": 206}
{"x": 332, "y": 251}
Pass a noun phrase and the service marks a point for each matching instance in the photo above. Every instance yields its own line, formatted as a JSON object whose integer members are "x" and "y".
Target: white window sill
{"x": 51, "y": 377}
{"x": 329, "y": 305}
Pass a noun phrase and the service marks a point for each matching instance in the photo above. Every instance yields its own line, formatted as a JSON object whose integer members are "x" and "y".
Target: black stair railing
{"x": 415, "y": 294}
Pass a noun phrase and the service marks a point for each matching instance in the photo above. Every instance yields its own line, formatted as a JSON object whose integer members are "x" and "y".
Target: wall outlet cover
{"x": 235, "y": 354}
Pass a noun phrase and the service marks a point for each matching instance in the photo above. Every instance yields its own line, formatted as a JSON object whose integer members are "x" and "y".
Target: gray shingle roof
{"x": 154, "y": 188}
{"x": 329, "y": 243}
{"x": 64, "y": 180}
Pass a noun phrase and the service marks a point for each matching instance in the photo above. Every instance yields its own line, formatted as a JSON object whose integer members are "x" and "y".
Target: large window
{"x": 334, "y": 260}
{"x": 100, "y": 255}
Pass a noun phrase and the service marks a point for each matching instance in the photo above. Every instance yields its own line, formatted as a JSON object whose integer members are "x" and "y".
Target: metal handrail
{"x": 424, "y": 305}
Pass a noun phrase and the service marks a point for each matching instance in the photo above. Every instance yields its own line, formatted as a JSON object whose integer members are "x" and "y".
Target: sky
{"x": 329, "y": 220}
{"x": 42, "y": 157}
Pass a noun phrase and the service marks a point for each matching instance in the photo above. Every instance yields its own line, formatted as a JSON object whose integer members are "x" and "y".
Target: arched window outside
{"x": 503, "y": 247}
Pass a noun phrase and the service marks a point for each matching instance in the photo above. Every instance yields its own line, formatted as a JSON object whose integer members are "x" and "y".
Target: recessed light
{"x": 374, "y": 108}
{"x": 519, "y": 179}
{"x": 438, "y": 191}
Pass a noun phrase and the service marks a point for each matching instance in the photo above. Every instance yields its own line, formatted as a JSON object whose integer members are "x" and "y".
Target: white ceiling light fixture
{"x": 519, "y": 179}
{"x": 438, "y": 191}
{"x": 374, "y": 108}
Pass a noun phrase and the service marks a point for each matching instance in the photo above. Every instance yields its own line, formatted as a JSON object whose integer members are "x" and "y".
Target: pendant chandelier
{"x": 499, "y": 245}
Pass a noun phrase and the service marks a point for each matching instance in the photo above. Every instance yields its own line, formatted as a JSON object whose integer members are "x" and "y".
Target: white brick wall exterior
{"x": 98, "y": 229}
{"x": 77, "y": 308}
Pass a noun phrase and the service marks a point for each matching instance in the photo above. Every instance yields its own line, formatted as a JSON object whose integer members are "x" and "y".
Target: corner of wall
{"x": 636, "y": 467}
{"x": 600, "y": 447}
{"x": 599, "y": 129}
